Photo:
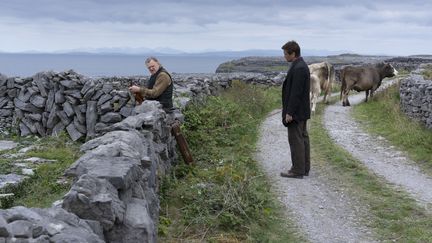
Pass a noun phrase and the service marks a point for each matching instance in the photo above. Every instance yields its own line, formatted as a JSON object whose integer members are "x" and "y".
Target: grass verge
{"x": 224, "y": 197}
{"x": 393, "y": 216}
{"x": 383, "y": 117}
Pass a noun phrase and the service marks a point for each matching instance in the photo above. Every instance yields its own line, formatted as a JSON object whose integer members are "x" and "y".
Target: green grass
{"x": 382, "y": 116}
{"x": 393, "y": 216}
{"x": 42, "y": 189}
{"x": 335, "y": 88}
{"x": 276, "y": 68}
{"x": 427, "y": 73}
{"x": 6, "y": 166}
{"x": 224, "y": 197}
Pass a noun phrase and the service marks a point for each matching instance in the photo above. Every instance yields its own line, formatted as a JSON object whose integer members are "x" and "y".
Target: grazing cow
{"x": 365, "y": 78}
{"x": 322, "y": 77}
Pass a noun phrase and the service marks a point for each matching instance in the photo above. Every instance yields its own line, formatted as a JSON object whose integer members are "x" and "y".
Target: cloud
{"x": 203, "y": 24}
{"x": 196, "y": 11}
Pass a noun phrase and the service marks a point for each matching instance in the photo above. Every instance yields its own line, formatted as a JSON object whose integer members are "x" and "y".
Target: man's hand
{"x": 134, "y": 89}
{"x": 288, "y": 118}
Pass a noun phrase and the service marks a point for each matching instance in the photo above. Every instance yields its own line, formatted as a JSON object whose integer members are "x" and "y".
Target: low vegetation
{"x": 393, "y": 215}
{"x": 427, "y": 73}
{"x": 44, "y": 187}
{"x": 276, "y": 68}
{"x": 383, "y": 117}
{"x": 225, "y": 196}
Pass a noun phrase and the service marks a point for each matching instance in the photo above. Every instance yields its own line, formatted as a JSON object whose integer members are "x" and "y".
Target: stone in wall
{"x": 20, "y": 224}
{"x": 95, "y": 199}
{"x": 416, "y": 98}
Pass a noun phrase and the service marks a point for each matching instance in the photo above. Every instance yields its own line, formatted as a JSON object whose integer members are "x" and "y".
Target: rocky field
{"x": 276, "y": 65}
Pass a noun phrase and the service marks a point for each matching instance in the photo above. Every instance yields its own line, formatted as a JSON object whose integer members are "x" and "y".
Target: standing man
{"x": 296, "y": 110}
{"x": 159, "y": 87}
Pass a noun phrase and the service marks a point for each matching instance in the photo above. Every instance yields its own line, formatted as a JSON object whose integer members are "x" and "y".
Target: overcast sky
{"x": 396, "y": 27}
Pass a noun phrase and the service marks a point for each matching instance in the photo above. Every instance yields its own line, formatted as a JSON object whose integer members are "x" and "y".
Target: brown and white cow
{"x": 364, "y": 78}
{"x": 322, "y": 78}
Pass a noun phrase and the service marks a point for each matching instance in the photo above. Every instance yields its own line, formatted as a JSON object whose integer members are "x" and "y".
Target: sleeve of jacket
{"x": 297, "y": 90}
{"x": 162, "y": 82}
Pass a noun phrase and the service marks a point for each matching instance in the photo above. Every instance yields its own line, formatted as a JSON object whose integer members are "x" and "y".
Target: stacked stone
{"x": 114, "y": 196}
{"x": 21, "y": 224}
{"x": 416, "y": 98}
{"x": 50, "y": 102}
{"x": 116, "y": 186}
{"x": 118, "y": 175}
{"x": 6, "y": 104}
{"x": 195, "y": 86}
{"x": 408, "y": 64}
{"x": 250, "y": 78}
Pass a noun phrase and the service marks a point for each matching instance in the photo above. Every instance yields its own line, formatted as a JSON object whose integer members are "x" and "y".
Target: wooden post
{"x": 181, "y": 141}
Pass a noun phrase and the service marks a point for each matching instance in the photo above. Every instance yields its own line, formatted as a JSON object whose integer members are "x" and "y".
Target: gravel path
{"x": 376, "y": 153}
{"x": 322, "y": 211}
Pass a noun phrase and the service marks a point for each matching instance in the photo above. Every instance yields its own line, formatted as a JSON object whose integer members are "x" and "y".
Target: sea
{"x": 96, "y": 65}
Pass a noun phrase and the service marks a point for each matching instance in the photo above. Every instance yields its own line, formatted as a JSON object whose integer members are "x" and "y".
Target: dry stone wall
{"x": 416, "y": 97}
{"x": 114, "y": 194}
{"x": 50, "y": 102}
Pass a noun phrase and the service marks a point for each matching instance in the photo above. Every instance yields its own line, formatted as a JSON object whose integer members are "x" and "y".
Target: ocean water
{"x": 25, "y": 65}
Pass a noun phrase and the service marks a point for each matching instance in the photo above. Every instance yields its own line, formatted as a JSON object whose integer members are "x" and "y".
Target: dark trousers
{"x": 298, "y": 139}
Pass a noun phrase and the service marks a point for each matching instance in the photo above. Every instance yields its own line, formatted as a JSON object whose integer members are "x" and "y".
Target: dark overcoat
{"x": 295, "y": 92}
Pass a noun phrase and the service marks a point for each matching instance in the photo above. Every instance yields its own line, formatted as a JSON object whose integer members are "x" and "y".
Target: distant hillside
{"x": 273, "y": 65}
{"x": 276, "y": 65}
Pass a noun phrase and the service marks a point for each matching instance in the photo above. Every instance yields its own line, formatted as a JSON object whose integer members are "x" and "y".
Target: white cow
{"x": 322, "y": 78}
{"x": 315, "y": 91}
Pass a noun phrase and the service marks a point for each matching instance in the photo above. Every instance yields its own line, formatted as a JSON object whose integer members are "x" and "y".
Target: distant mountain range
{"x": 174, "y": 52}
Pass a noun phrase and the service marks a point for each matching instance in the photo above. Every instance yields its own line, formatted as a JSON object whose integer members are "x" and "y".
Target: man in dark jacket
{"x": 159, "y": 87}
{"x": 296, "y": 110}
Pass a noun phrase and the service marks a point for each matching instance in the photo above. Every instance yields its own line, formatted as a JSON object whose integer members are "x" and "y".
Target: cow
{"x": 322, "y": 78}
{"x": 315, "y": 91}
{"x": 364, "y": 78}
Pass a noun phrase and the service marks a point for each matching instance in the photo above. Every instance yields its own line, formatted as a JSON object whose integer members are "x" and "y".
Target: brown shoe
{"x": 291, "y": 174}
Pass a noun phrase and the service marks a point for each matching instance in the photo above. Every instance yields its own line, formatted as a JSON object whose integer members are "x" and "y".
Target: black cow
{"x": 365, "y": 78}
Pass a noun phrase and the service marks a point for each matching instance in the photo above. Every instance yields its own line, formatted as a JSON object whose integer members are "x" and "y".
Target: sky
{"x": 396, "y": 27}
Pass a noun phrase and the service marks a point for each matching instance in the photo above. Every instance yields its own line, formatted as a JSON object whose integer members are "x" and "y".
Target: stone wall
{"x": 49, "y": 102}
{"x": 114, "y": 194}
{"x": 416, "y": 97}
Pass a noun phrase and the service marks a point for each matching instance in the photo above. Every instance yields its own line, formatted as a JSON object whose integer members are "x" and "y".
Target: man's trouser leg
{"x": 296, "y": 133}
{"x": 306, "y": 146}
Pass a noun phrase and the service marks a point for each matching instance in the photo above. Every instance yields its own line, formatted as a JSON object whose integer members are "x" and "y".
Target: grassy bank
{"x": 383, "y": 117}
{"x": 225, "y": 196}
{"x": 393, "y": 216}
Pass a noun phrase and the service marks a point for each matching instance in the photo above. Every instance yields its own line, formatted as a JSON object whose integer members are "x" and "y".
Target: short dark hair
{"x": 292, "y": 46}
